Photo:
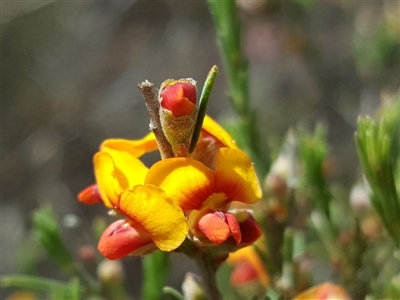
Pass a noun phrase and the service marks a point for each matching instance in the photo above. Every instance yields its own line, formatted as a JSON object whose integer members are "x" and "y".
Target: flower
{"x": 152, "y": 216}
{"x": 212, "y": 138}
{"x": 156, "y": 202}
{"x": 206, "y": 194}
{"x": 324, "y": 291}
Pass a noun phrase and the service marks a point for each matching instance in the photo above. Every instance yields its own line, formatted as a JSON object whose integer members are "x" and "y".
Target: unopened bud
{"x": 179, "y": 97}
{"x": 178, "y": 112}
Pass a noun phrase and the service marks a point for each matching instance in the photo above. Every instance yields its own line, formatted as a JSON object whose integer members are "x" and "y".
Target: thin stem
{"x": 208, "y": 270}
{"x": 153, "y": 107}
{"x": 229, "y": 41}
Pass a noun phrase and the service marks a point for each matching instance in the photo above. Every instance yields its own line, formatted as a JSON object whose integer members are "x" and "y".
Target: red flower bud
{"x": 120, "y": 239}
{"x": 179, "y": 97}
{"x": 90, "y": 195}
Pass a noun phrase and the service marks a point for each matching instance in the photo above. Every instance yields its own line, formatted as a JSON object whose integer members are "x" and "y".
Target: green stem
{"x": 208, "y": 270}
{"x": 229, "y": 41}
{"x": 155, "y": 270}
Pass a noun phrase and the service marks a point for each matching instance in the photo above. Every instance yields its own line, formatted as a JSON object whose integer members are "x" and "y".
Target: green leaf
{"x": 377, "y": 144}
{"x": 203, "y": 102}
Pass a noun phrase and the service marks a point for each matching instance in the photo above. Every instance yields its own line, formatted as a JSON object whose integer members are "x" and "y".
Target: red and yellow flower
{"x": 176, "y": 196}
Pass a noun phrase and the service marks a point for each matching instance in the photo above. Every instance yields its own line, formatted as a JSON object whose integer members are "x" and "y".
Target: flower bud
{"x": 179, "y": 97}
{"x": 178, "y": 112}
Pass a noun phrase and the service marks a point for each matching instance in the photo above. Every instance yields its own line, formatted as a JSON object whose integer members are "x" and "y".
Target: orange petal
{"x": 214, "y": 227}
{"x": 236, "y": 177}
{"x": 120, "y": 239}
{"x": 162, "y": 219}
{"x": 186, "y": 181}
{"x": 90, "y": 195}
{"x": 218, "y": 132}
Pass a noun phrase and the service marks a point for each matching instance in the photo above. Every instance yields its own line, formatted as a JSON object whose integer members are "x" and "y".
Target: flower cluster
{"x": 177, "y": 198}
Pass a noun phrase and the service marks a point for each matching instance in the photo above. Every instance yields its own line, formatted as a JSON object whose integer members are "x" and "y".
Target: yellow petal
{"x": 218, "y": 132}
{"x": 186, "y": 181}
{"x": 109, "y": 187}
{"x": 157, "y": 214}
{"x": 129, "y": 170}
{"x": 235, "y": 176}
{"x": 134, "y": 147}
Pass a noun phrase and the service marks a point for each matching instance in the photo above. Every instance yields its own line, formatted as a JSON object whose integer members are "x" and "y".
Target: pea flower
{"x": 176, "y": 197}
{"x": 205, "y": 194}
{"x": 178, "y": 112}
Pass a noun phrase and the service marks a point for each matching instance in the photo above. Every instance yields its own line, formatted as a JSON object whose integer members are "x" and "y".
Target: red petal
{"x": 250, "y": 230}
{"x": 120, "y": 239}
{"x": 90, "y": 195}
{"x": 179, "y": 98}
{"x": 234, "y": 227}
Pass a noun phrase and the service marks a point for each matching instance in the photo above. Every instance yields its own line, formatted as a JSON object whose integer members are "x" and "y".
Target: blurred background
{"x": 69, "y": 77}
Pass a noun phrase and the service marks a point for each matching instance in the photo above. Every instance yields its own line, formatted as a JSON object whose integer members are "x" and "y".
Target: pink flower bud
{"x": 179, "y": 97}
